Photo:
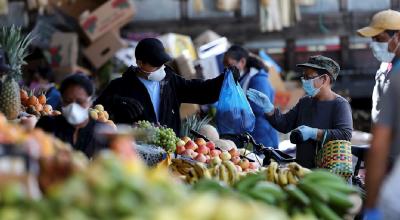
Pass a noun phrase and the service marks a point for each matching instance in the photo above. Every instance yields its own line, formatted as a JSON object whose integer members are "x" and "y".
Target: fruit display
{"x": 319, "y": 195}
{"x": 36, "y": 105}
{"x": 113, "y": 187}
{"x": 285, "y": 175}
{"x": 99, "y": 114}
{"x": 206, "y": 152}
{"x": 157, "y": 135}
{"x": 15, "y": 45}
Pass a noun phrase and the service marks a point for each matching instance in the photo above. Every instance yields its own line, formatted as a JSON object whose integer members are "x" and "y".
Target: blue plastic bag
{"x": 234, "y": 114}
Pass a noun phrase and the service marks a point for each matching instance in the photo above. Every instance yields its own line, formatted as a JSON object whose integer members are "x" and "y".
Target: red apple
{"x": 203, "y": 150}
{"x": 234, "y": 152}
{"x": 188, "y": 153}
{"x": 186, "y": 139}
{"x": 180, "y": 143}
{"x": 180, "y": 149}
{"x": 200, "y": 141}
{"x": 235, "y": 160}
{"x": 225, "y": 156}
{"x": 210, "y": 145}
{"x": 215, "y": 153}
{"x": 191, "y": 145}
{"x": 244, "y": 164}
{"x": 201, "y": 158}
{"x": 238, "y": 168}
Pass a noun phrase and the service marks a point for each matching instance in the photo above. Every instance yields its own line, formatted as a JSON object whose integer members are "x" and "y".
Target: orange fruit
{"x": 39, "y": 107}
{"x": 42, "y": 99}
{"x": 23, "y": 94}
{"x": 33, "y": 100}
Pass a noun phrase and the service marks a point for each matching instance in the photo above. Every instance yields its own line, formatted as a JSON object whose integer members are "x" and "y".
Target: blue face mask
{"x": 308, "y": 86}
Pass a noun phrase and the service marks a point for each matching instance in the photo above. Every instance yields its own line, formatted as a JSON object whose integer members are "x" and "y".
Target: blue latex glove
{"x": 372, "y": 214}
{"x": 260, "y": 99}
{"x": 308, "y": 133}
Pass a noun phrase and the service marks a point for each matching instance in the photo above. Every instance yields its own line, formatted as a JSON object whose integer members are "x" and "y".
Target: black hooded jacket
{"x": 173, "y": 88}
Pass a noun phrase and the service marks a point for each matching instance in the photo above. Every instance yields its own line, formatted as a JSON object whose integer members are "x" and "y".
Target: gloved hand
{"x": 126, "y": 110}
{"x": 260, "y": 99}
{"x": 372, "y": 214}
{"x": 308, "y": 132}
{"x": 235, "y": 72}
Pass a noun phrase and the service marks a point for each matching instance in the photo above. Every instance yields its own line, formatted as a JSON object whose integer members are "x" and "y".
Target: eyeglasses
{"x": 305, "y": 77}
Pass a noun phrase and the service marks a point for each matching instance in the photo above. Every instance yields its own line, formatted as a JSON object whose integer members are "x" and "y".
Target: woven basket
{"x": 336, "y": 157}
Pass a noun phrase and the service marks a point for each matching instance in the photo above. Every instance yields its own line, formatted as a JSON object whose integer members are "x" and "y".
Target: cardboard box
{"x": 77, "y": 7}
{"x": 205, "y": 38}
{"x": 177, "y": 45}
{"x": 276, "y": 80}
{"x": 63, "y": 50}
{"x": 104, "y": 49}
{"x": 112, "y": 15}
{"x": 185, "y": 67}
{"x": 188, "y": 110}
{"x": 62, "y": 72}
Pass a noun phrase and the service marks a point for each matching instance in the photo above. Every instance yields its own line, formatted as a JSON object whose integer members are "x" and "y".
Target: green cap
{"x": 322, "y": 63}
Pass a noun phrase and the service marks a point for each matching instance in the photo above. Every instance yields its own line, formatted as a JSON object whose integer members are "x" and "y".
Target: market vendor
{"x": 74, "y": 125}
{"x": 253, "y": 75}
{"x": 152, "y": 91}
{"x": 320, "y": 112}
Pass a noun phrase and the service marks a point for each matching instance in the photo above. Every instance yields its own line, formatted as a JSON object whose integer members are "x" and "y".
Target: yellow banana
{"x": 215, "y": 172}
{"x": 283, "y": 179}
{"x": 223, "y": 174}
{"x": 192, "y": 176}
{"x": 233, "y": 174}
{"x": 292, "y": 179}
{"x": 271, "y": 171}
{"x": 202, "y": 170}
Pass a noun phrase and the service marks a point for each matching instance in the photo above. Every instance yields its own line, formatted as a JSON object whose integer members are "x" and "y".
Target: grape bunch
{"x": 144, "y": 124}
{"x": 162, "y": 136}
{"x": 166, "y": 138}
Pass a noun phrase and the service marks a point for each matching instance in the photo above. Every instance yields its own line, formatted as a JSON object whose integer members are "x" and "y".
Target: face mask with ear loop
{"x": 157, "y": 75}
{"x": 309, "y": 88}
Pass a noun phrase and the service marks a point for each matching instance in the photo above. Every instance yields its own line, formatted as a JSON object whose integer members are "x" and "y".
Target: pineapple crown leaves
{"x": 15, "y": 45}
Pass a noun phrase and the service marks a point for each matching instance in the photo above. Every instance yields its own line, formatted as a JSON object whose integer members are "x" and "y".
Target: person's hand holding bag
{"x": 235, "y": 72}
{"x": 261, "y": 100}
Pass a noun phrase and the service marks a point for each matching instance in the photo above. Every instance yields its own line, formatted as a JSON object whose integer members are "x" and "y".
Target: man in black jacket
{"x": 154, "y": 92}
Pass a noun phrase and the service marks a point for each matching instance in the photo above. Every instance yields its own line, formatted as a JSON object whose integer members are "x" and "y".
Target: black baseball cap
{"x": 151, "y": 51}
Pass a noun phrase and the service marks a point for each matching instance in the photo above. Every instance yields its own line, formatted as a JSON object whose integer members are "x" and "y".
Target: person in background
{"x": 152, "y": 91}
{"x": 383, "y": 159}
{"x": 382, "y": 28}
{"x": 253, "y": 75}
{"x": 74, "y": 125}
{"x": 320, "y": 116}
{"x": 43, "y": 81}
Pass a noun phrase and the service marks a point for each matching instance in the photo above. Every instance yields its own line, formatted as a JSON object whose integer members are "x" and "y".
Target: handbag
{"x": 335, "y": 156}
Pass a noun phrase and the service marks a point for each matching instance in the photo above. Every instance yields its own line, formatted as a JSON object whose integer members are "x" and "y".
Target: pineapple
{"x": 15, "y": 45}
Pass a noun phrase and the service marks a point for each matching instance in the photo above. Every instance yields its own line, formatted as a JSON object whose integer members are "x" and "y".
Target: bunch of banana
{"x": 225, "y": 172}
{"x": 285, "y": 175}
{"x": 181, "y": 166}
{"x": 325, "y": 193}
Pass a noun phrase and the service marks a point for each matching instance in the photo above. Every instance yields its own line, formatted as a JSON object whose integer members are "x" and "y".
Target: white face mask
{"x": 75, "y": 114}
{"x": 381, "y": 51}
{"x": 157, "y": 75}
